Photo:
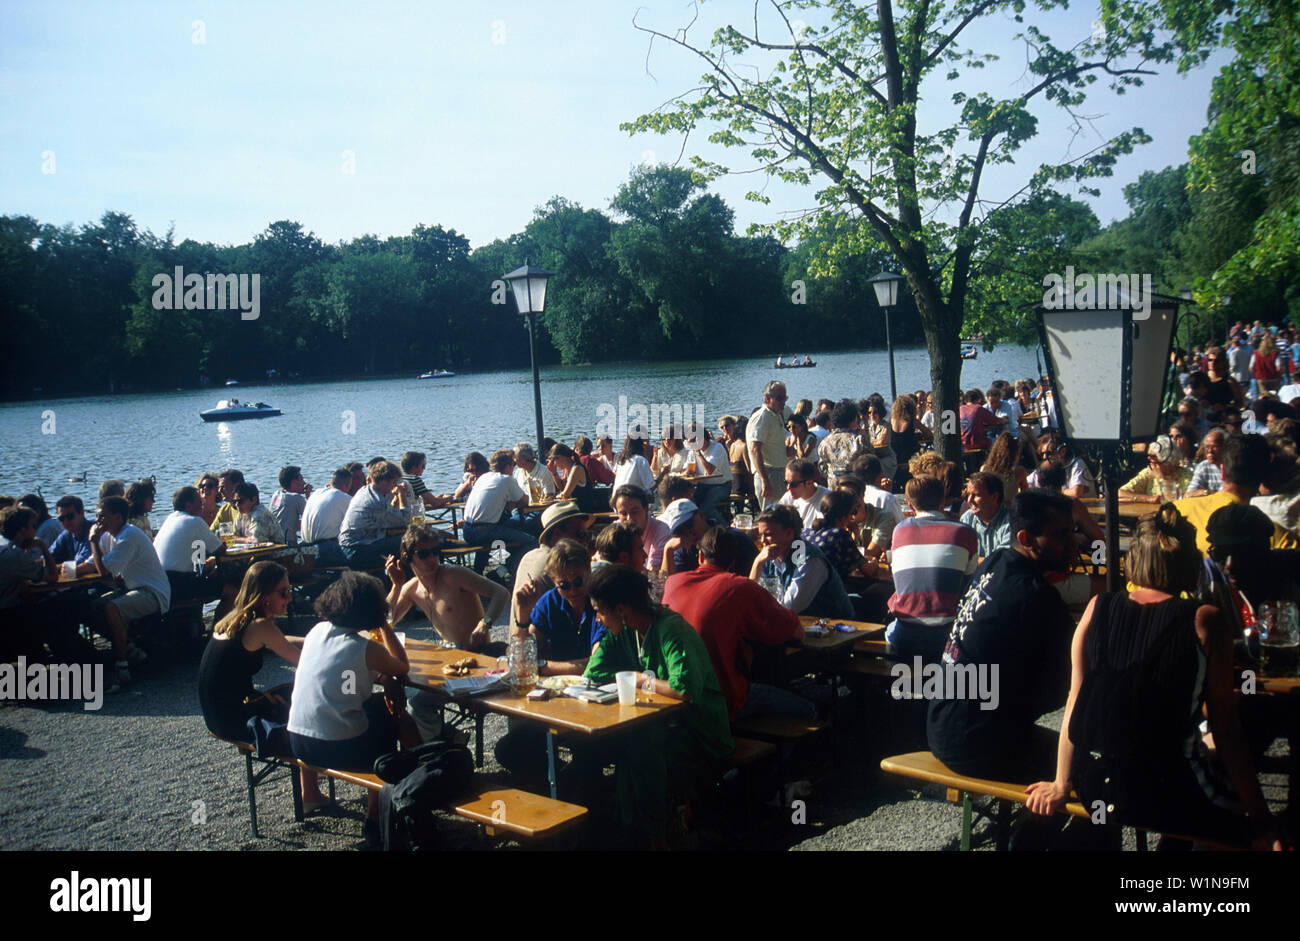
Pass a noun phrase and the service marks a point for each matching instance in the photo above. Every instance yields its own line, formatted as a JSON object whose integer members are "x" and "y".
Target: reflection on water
{"x": 325, "y": 425}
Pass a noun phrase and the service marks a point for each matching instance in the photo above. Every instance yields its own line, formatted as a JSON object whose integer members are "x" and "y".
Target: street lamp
{"x": 1109, "y": 371}
{"x": 1187, "y": 296}
{"x": 886, "y": 286}
{"x": 529, "y": 286}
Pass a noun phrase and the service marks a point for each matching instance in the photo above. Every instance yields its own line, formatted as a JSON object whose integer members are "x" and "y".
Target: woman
{"x": 141, "y": 497}
{"x": 880, "y": 437}
{"x": 733, "y": 442}
{"x": 1223, "y": 389}
{"x": 670, "y": 660}
{"x": 1144, "y": 663}
{"x": 476, "y": 465}
{"x": 577, "y": 482}
{"x": 1264, "y": 366}
{"x": 804, "y": 444}
{"x": 209, "y": 487}
{"x": 1183, "y": 435}
{"x": 907, "y": 435}
{"x": 334, "y": 721}
{"x": 803, "y": 408}
{"x": 234, "y": 656}
{"x": 1163, "y": 479}
{"x": 1003, "y": 461}
{"x": 832, "y": 534}
{"x": 594, "y": 464}
{"x": 633, "y": 468}
{"x": 842, "y": 445}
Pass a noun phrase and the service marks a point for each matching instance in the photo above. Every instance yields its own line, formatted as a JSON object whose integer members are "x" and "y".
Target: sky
{"x": 219, "y": 117}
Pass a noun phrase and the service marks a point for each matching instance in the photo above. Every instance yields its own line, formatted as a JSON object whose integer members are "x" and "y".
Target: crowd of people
{"x": 851, "y": 515}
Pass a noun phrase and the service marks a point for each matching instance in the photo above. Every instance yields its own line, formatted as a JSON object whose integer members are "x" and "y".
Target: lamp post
{"x": 886, "y": 286}
{"x": 1187, "y": 297}
{"x": 1109, "y": 371}
{"x": 529, "y": 287}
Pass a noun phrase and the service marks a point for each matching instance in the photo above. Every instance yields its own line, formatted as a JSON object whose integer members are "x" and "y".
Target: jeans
{"x": 517, "y": 542}
{"x": 371, "y": 554}
{"x": 329, "y": 553}
{"x": 911, "y": 640}
{"x": 764, "y": 700}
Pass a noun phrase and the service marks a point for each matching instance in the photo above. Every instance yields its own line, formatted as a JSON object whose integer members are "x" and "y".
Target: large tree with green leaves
{"x": 839, "y": 103}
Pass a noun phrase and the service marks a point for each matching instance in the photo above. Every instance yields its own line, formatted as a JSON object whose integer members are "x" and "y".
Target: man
{"x": 1191, "y": 411}
{"x": 977, "y": 421}
{"x": 765, "y": 436}
{"x": 255, "y": 523}
{"x": 288, "y": 503}
{"x": 820, "y": 425}
{"x": 359, "y": 476}
{"x": 988, "y": 515}
{"x": 563, "y": 520}
{"x": 1079, "y": 481}
{"x": 1005, "y": 407}
{"x": 932, "y": 560}
{"x": 686, "y": 524}
{"x": 1013, "y": 622}
{"x": 495, "y": 494}
{"x": 1239, "y": 355}
{"x": 376, "y": 508}
{"x": 632, "y": 505}
{"x": 229, "y": 513}
{"x": 731, "y": 613}
{"x": 884, "y": 509}
{"x": 322, "y": 517}
{"x": 73, "y": 544}
{"x": 188, "y": 551}
{"x": 619, "y": 544}
{"x": 529, "y": 469}
{"x": 1207, "y": 477}
{"x": 809, "y": 584}
{"x": 1045, "y": 400}
{"x": 27, "y": 625}
{"x": 134, "y": 561}
{"x": 802, "y": 492}
{"x": 413, "y": 465}
{"x": 1245, "y": 464}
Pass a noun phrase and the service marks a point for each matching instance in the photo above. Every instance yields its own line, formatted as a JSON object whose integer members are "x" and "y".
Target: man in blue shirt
{"x": 73, "y": 544}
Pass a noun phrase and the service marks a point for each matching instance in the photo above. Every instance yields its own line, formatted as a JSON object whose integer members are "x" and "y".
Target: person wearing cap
{"x": 686, "y": 524}
{"x": 1163, "y": 471}
{"x": 1245, "y": 463}
{"x": 563, "y": 520}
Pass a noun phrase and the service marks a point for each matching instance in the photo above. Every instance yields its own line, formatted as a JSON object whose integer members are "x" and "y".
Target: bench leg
{"x": 965, "y": 821}
{"x": 1004, "y": 825}
{"x": 550, "y": 762}
{"x": 478, "y": 739}
{"x": 295, "y": 782}
{"x": 252, "y": 795}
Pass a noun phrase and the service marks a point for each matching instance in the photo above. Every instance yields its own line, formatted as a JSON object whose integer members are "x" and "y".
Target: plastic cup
{"x": 626, "y": 680}
{"x": 68, "y": 571}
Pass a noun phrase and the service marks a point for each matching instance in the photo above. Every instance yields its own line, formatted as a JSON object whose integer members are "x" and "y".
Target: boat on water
{"x": 232, "y": 382}
{"x": 805, "y": 362}
{"x": 969, "y": 352}
{"x": 234, "y": 410}
{"x": 436, "y": 374}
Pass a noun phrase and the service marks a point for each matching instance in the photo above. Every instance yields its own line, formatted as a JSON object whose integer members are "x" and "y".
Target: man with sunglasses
{"x": 802, "y": 492}
{"x": 450, "y": 596}
{"x": 766, "y": 440}
{"x": 73, "y": 544}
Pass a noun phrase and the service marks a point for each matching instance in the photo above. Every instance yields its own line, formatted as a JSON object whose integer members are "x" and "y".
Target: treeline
{"x": 663, "y": 277}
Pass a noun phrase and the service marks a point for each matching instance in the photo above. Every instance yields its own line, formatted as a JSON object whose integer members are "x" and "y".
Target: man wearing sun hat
{"x": 562, "y": 520}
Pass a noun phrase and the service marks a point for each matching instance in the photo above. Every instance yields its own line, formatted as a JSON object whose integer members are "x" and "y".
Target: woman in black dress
{"x": 234, "y": 656}
{"x": 1144, "y": 663}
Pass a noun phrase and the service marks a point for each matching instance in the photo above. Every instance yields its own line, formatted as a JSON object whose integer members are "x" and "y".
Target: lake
{"x": 327, "y": 424}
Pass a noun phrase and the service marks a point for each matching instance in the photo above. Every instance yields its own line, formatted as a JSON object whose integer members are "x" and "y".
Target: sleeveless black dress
{"x": 1137, "y": 745}
{"x": 225, "y": 678}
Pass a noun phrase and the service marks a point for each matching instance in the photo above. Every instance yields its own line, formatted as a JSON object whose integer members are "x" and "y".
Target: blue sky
{"x": 467, "y": 115}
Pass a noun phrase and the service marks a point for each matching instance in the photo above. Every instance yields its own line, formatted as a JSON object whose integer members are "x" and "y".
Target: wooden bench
{"x": 924, "y": 766}
{"x": 778, "y": 728}
{"x": 505, "y": 810}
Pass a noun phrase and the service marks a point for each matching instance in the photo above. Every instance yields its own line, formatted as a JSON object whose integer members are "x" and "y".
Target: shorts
{"x": 134, "y": 604}
{"x": 351, "y": 754}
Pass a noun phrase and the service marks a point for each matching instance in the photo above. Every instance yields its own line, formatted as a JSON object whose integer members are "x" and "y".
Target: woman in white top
{"x": 334, "y": 721}
{"x": 633, "y": 468}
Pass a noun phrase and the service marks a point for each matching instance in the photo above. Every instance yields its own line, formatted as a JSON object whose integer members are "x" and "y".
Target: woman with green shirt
{"x": 1162, "y": 470}
{"x": 670, "y": 659}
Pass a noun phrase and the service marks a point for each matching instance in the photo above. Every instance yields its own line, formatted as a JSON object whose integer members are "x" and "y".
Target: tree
{"x": 841, "y": 103}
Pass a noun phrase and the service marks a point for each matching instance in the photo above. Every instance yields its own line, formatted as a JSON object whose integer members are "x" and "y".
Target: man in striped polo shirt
{"x": 932, "y": 560}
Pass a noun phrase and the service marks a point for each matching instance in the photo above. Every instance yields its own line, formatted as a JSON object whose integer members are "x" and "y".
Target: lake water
{"x": 327, "y": 424}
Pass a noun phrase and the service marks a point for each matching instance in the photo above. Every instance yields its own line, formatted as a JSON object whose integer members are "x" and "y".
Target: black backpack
{"x": 419, "y": 782}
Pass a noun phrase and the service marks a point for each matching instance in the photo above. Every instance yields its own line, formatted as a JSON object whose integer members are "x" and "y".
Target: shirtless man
{"x": 450, "y": 596}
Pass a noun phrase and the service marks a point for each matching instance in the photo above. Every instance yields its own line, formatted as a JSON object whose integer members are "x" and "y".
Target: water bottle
{"x": 523, "y": 663}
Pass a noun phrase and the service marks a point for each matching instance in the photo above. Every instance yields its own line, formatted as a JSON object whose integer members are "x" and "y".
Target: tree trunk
{"x": 945, "y": 377}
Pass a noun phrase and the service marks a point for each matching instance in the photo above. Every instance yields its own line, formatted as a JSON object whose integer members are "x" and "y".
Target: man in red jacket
{"x": 728, "y": 609}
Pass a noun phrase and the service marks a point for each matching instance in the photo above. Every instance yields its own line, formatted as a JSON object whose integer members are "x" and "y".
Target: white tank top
{"x": 331, "y": 684}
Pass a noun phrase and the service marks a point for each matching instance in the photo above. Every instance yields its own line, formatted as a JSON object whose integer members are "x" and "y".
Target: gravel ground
{"x": 143, "y": 773}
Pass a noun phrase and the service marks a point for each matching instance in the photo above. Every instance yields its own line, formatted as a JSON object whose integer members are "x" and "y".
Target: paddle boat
{"x": 234, "y": 410}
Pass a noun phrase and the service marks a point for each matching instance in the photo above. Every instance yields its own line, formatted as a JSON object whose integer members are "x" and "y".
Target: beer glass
{"x": 1279, "y": 639}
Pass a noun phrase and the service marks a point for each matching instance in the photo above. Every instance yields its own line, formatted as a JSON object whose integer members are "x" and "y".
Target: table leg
{"x": 550, "y": 762}
{"x": 478, "y": 739}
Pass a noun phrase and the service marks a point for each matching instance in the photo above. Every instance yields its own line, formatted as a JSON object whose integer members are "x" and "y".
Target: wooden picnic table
{"x": 81, "y": 581}
{"x": 558, "y": 714}
{"x": 1127, "y": 511}
{"x": 245, "y": 552}
{"x": 837, "y": 639}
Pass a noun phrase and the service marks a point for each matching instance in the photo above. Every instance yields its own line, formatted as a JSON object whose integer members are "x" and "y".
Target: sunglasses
{"x": 566, "y": 586}
{"x": 67, "y": 517}
{"x": 425, "y": 553}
